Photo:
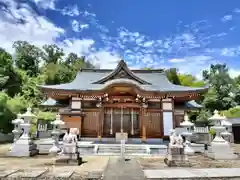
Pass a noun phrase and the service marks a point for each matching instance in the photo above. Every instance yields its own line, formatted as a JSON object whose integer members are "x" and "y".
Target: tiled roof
{"x": 157, "y": 81}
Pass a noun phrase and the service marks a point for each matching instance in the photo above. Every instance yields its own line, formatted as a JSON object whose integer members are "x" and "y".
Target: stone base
{"x": 176, "y": 158}
{"x": 69, "y": 160}
{"x": 221, "y": 151}
{"x": 23, "y": 148}
{"x": 188, "y": 150}
{"x": 121, "y": 136}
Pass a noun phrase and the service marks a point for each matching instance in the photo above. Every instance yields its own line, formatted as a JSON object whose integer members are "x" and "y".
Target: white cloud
{"x": 177, "y": 60}
{"x": 36, "y": 29}
{"x": 81, "y": 47}
{"x": 78, "y": 27}
{"x": 140, "y": 49}
{"x": 46, "y": 4}
{"x": 104, "y": 59}
{"x": 70, "y": 11}
{"x": 39, "y": 31}
{"x": 193, "y": 64}
{"x": 234, "y": 73}
{"x": 227, "y": 18}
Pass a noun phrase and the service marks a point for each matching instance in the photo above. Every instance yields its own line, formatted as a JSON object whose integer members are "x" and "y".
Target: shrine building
{"x": 105, "y": 102}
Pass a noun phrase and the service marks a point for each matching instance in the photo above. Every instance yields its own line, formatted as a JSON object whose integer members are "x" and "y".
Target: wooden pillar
{"x": 100, "y": 122}
{"x": 144, "y": 133}
{"x": 80, "y": 127}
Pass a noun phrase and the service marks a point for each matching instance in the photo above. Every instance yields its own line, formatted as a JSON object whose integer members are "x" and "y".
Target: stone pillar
{"x": 168, "y": 119}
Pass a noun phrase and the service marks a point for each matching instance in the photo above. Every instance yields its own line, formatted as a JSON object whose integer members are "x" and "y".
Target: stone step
{"x": 135, "y": 151}
{"x": 135, "y": 147}
{"x": 109, "y": 150}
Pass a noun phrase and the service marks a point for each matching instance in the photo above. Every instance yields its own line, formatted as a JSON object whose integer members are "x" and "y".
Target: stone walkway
{"x": 120, "y": 169}
{"x": 188, "y": 173}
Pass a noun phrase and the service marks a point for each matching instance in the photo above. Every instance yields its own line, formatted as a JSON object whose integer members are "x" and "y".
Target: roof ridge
{"x": 133, "y": 70}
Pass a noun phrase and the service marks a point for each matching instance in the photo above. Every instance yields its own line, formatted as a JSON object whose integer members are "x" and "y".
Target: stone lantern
{"x": 187, "y": 134}
{"x": 24, "y": 147}
{"x": 17, "y": 127}
{"x": 57, "y": 125}
{"x": 220, "y": 149}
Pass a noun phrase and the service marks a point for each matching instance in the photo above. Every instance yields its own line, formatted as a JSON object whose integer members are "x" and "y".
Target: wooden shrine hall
{"x": 138, "y": 103}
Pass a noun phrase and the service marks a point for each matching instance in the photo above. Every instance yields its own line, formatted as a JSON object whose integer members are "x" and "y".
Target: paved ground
{"x": 95, "y": 165}
{"x": 197, "y": 161}
{"x": 187, "y": 173}
{"x": 120, "y": 169}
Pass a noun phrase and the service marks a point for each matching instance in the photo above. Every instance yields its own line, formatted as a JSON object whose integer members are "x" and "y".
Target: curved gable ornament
{"x": 120, "y": 72}
{"x": 116, "y": 82}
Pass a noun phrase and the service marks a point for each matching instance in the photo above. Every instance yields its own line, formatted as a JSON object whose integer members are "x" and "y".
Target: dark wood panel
{"x": 178, "y": 119}
{"x": 153, "y": 125}
{"x": 116, "y": 121}
{"x": 71, "y": 121}
{"x": 90, "y": 124}
{"x": 107, "y": 126}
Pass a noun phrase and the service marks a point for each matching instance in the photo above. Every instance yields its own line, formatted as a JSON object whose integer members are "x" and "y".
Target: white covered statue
{"x": 70, "y": 141}
{"x": 172, "y": 137}
{"x": 175, "y": 140}
{"x": 179, "y": 140}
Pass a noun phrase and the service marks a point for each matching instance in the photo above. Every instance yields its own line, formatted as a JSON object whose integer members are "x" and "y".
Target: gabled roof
{"x": 98, "y": 79}
{"x": 122, "y": 66}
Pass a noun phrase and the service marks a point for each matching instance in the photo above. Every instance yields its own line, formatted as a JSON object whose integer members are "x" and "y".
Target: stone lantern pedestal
{"x": 24, "y": 147}
{"x": 220, "y": 148}
{"x": 187, "y": 134}
{"x": 55, "y": 135}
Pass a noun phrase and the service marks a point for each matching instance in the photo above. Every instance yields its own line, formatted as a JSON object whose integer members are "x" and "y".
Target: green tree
{"x": 27, "y": 57}
{"x": 52, "y": 54}
{"x": 10, "y": 80}
{"x": 190, "y": 80}
{"x": 221, "y": 85}
{"x": 232, "y": 112}
{"x": 172, "y": 75}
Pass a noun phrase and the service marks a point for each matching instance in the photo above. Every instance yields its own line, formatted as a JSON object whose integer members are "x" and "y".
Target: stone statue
{"x": 69, "y": 152}
{"x": 179, "y": 140}
{"x": 172, "y": 138}
{"x": 69, "y": 141}
{"x": 175, "y": 155}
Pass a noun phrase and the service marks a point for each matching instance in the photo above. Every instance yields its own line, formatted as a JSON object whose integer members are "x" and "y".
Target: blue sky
{"x": 189, "y": 35}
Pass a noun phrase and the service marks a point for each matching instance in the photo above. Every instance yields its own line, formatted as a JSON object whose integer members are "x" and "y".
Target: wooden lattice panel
{"x": 90, "y": 124}
{"x": 153, "y": 124}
